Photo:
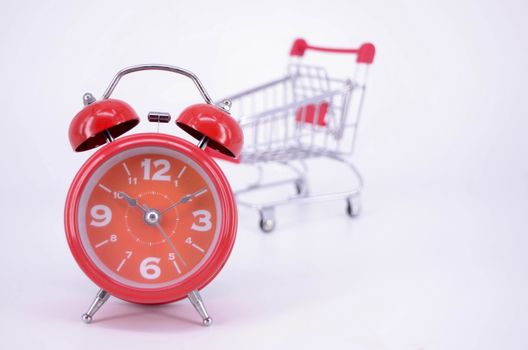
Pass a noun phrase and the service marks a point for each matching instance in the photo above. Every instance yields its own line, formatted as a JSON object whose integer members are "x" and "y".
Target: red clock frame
{"x": 210, "y": 268}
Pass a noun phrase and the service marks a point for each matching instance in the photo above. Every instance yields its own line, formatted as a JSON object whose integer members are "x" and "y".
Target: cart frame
{"x": 302, "y": 115}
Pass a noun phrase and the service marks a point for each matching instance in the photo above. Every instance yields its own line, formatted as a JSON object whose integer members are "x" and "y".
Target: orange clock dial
{"x": 149, "y": 217}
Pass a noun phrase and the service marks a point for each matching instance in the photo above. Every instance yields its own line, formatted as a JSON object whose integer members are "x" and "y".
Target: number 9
{"x": 101, "y": 215}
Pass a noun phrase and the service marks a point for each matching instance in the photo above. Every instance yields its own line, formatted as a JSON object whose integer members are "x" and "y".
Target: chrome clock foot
{"x": 86, "y": 318}
{"x": 207, "y": 321}
{"x": 196, "y": 300}
{"x": 101, "y": 298}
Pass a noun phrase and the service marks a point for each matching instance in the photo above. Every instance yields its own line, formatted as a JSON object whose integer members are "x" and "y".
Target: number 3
{"x": 204, "y": 220}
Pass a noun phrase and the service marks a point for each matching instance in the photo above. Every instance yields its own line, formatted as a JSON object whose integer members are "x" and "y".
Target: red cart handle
{"x": 365, "y": 53}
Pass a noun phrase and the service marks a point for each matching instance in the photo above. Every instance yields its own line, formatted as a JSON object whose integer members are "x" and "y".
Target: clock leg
{"x": 196, "y": 300}
{"x": 101, "y": 297}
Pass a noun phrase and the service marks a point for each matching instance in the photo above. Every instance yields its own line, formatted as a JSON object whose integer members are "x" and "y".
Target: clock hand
{"x": 131, "y": 201}
{"x": 157, "y": 224}
{"x": 185, "y": 199}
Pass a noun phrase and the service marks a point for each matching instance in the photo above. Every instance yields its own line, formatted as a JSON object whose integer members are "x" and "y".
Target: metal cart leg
{"x": 353, "y": 206}
{"x": 300, "y": 187}
{"x": 301, "y": 183}
{"x": 266, "y": 211}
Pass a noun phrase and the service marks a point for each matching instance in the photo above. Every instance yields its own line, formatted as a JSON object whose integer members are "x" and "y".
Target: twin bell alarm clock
{"x": 150, "y": 217}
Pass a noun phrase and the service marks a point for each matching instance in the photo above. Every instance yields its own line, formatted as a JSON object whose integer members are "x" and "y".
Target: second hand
{"x": 170, "y": 243}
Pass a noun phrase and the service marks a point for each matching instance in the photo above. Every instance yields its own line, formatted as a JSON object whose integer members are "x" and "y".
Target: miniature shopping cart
{"x": 305, "y": 114}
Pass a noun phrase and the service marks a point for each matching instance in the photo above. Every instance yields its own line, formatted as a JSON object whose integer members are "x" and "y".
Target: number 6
{"x": 149, "y": 268}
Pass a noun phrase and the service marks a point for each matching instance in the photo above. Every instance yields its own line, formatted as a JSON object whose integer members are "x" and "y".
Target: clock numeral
{"x": 189, "y": 241}
{"x": 149, "y": 268}
{"x": 132, "y": 180}
{"x": 101, "y": 215}
{"x": 172, "y": 258}
{"x": 112, "y": 239}
{"x": 128, "y": 254}
{"x": 159, "y": 174}
{"x": 204, "y": 220}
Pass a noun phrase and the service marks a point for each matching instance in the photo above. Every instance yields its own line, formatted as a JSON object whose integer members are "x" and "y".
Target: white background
{"x": 437, "y": 259}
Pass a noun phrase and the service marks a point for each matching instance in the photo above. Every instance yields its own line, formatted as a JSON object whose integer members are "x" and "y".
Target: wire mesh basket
{"x": 305, "y": 114}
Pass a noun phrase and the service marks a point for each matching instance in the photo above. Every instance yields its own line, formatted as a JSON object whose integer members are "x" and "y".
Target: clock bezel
{"x": 210, "y": 268}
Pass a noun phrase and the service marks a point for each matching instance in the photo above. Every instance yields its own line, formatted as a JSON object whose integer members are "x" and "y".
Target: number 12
{"x": 159, "y": 175}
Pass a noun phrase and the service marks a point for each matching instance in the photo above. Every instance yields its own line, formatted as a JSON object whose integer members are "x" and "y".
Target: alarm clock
{"x": 150, "y": 218}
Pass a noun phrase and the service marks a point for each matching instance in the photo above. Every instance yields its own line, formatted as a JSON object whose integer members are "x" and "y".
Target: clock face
{"x": 149, "y": 217}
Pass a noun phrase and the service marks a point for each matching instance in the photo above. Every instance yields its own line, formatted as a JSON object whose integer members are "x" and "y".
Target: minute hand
{"x": 185, "y": 199}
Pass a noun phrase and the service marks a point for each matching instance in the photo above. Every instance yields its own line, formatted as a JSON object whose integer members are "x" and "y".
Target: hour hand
{"x": 131, "y": 201}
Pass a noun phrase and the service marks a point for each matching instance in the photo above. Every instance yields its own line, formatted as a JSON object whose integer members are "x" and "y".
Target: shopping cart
{"x": 305, "y": 114}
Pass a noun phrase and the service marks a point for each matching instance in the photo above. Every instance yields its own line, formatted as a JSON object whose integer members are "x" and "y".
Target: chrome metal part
{"x": 100, "y": 298}
{"x": 203, "y": 142}
{"x": 108, "y": 135}
{"x": 152, "y": 217}
{"x": 159, "y": 117}
{"x": 196, "y": 300}
{"x": 88, "y": 99}
{"x": 353, "y": 207}
{"x": 303, "y": 115}
{"x": 161, "y": 67}
{"x": 267, "y": 219}
{"x": 225, "y": 105}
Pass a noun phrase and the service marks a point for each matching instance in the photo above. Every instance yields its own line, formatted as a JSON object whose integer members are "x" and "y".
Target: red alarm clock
{"x": 150, "y": 218}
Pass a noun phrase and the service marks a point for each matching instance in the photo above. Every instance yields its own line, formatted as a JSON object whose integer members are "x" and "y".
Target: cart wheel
{"x": 353, "y": 207}
{"x": 267, "y": 225}
{"x": 267, "y": 219}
